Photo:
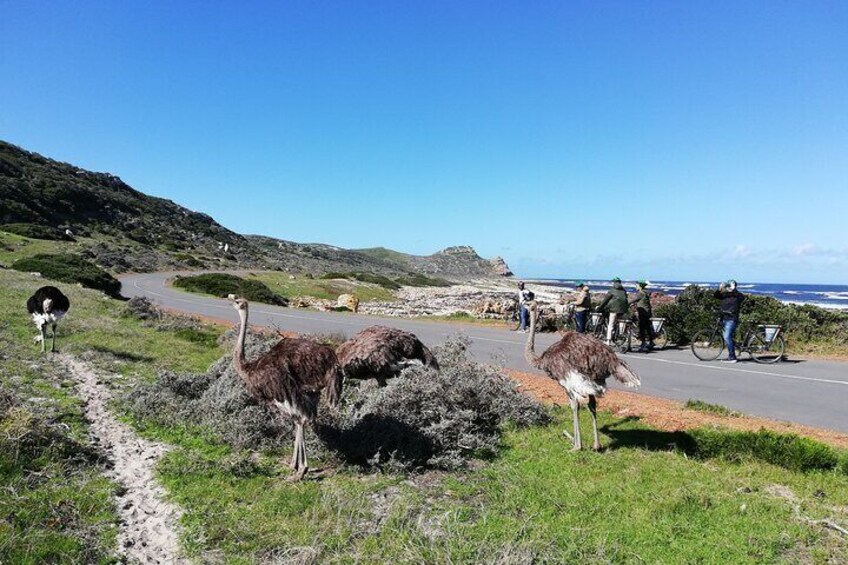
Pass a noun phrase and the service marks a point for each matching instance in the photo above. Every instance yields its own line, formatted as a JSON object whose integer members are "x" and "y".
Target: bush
{"x": 696, "y": 309}
{"x": 379, "y": 280}
{"x": 35, "y": 231}
{"x": 222, "y": 284}
{"x": 417, "y": 279}
{"x": 70, "y": 269}
{"x": 785, "y": 450}
{"x": 422, "y": 419}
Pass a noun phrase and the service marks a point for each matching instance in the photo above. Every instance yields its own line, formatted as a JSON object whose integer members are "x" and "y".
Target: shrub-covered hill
{"x": 123, "y": 229}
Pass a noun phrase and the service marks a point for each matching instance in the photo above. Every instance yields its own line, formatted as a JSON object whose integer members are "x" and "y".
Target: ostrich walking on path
{"x": 380, "y": 352}
{"x": 47, "y": 306}
{"x": 290, "y": 378}
{"x": 581, "y": 365}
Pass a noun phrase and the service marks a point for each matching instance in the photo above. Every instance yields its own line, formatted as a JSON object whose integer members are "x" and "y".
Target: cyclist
{"x": 731, "y": 302}
{"x": 643, "y": 316}
{"x": 615, "y": 305}
{"x": 582, "y": 304}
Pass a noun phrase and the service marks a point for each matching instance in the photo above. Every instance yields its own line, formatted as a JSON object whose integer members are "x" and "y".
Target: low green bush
{"x": 696, "y": 309}
{"x": 417, "y": 279}
{"x": 70, "y": 269}
{"x": 785, "y": 450}
{"x": 222, "y": 284}
{"x": 35, "y": 231}
{"x": 379, "y": 280}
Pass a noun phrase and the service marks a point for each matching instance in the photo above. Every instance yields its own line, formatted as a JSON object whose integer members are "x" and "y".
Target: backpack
{"x": 529, "y": 296}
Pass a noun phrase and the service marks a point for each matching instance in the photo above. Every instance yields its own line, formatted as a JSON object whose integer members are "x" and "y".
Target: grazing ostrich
{"x": 289, "y": 378}
{"x": 47, "y": 306}
{"x": 382, "y": 353}
{"x": 581, "y": 365}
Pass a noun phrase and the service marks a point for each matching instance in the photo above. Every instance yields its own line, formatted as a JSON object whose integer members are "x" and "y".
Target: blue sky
{"x": 664, "y": 140}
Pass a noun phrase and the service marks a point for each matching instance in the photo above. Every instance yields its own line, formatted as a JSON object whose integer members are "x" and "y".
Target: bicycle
{"x": 658, "y": 328}
{"x": 621, "y": 333}
{"x": 764, "y": 343}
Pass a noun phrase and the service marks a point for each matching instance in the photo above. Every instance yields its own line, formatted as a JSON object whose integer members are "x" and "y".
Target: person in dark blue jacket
{"x": 731, "y": 302}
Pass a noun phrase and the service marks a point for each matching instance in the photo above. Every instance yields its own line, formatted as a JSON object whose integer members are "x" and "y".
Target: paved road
{"x": 808, "y": 392}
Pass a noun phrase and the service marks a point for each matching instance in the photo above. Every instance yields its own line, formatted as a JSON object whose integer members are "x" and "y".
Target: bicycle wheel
{"x": 622, "y": 341}
{"x": 660, "y": 339}
{"x": 707, "y": 345}
{"x": 762, "y": 351}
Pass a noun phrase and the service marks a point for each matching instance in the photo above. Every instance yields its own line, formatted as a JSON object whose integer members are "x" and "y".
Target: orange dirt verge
{"x": 670, "y": 415}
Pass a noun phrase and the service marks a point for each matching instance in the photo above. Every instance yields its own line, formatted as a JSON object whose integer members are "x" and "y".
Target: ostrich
{"x": 382, "y": 353}
{"x": 47, "y": 306}
{"x": 289, "y": 378}
{"x": 581, "y": 365}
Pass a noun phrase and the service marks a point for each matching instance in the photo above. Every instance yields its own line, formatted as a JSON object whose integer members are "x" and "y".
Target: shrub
{"x": 35, "y": 231}
{"x": 70, "y": 269}
{"x": 785, "y": 450}
{"x": 222, "y": 284}
{"x": 417, "y": 279}
{"x": 422, "y": 419}
{"x": 379, "y": 280}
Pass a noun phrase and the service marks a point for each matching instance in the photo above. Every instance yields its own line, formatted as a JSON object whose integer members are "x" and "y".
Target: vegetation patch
{"x": 701, "y": 406}
{"x": 70, "y": 269}
{"x": 222, "y": 284}
{"x": 35, "y": 231}
{"x": 417, "y": 279}
{"x": 380, "y": 280}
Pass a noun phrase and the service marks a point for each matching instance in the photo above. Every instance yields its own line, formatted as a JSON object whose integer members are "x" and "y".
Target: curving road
{"x": 814, "y": 393}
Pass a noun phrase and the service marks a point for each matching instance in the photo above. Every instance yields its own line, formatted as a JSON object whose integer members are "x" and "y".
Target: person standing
{"x": 582, "y": 305}
{"x": 524, "y": 296}
{"x": 615, "y": 305}
{"x": 731, "y": 303}
{"x": 643, "y": 316}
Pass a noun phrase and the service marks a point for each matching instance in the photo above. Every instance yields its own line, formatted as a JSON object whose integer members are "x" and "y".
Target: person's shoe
{"x": 733, "y": 360}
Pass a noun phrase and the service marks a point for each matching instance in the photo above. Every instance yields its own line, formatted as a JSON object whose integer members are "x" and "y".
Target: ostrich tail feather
{"x": 334, "y": 386}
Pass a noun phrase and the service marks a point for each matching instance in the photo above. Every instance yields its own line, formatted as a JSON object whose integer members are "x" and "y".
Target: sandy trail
{"x": 149, "y": 524}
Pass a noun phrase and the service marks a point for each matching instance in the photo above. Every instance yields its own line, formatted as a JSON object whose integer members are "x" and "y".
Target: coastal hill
{"x": 123, "y": 229}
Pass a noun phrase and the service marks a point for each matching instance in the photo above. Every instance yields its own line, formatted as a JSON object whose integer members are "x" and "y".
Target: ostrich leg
{"x": 593, "y": 407}
{"x": 575, "y": 407}
{"x": 43, "y": 337}
{"x": 53, "y": 342}
{"x": 299, "y": 453}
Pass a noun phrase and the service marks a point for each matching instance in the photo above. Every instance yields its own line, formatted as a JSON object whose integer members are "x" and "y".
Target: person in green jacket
{"x": 614, "y": 304}
{"x": 643, "y": 315}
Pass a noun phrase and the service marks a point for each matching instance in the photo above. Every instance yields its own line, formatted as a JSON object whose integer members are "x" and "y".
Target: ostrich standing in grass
{"x": 581, "y": 365}
{"x": 382, "y": 353}
{"x": 47, "y": 306}
{"x": 290, "y": 378}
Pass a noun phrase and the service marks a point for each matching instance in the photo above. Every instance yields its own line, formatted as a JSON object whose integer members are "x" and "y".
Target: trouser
{"x": 580, "y": 321}
{"x": 613, "y": 319}
{"x": 646, "y": 332}
{"x": 729, "y": 329}
{"x": 522, "y": 316}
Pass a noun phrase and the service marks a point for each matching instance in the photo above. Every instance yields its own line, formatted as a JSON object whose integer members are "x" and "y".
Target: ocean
{"x": 825, "y": 295}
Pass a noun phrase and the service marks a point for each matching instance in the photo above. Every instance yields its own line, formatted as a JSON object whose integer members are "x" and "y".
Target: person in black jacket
{"x": 614, "y": 305}
{"x": 731, "y": 302}
{"x": 643, "y": 313}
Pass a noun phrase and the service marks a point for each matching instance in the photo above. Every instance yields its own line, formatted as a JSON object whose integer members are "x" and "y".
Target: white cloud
{"x": 741, "y": 251}
{"x": 804, "y": 249}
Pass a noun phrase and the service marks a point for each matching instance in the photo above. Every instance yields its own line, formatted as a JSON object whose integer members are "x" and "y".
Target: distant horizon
{"x": 620, "y": 139}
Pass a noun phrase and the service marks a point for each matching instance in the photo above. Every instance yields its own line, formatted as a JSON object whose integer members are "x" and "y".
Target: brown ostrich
{"x": 581, "y": 365}
{"x": 289, "y": 378}
{"x": 380, "y": 352}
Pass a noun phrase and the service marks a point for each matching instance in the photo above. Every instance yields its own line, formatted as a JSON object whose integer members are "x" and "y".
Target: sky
{"x": 661, "y": 140}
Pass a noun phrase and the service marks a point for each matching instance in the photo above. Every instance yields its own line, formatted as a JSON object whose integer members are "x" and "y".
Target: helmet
{"x": 616, "y": 279}
{"x": 643, "y": 284}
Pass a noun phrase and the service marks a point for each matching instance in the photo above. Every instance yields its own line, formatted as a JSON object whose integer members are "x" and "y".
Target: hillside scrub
{"x": 423, "y": 419}
{"x": 380, "y": 280}
{"x": 70, "y": 269}
{"x": 222, "y": 284}
{"x": 34, "y": 231}
{"x": 805, "y": 326}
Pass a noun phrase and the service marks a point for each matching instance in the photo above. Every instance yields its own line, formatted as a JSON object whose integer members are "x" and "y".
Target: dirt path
{"x": 149, "y": 524}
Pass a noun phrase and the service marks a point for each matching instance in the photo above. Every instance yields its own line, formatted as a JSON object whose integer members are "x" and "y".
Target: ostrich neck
{"x": 238, "y": 355}
{"x": 530, "y": 348}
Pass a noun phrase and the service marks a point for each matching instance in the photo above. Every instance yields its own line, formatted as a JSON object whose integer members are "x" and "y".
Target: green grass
{"x": 14, "y": 247}
{"x": 379, "y": 280}
{"x": 321, "y": 288}
{"x": 68, "y": 268}
{"x": 223, "y": 284}
{"x": 701, "y": 406}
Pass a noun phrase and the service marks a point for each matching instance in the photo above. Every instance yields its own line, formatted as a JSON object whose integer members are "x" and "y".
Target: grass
{"x": 701, "y": 406}
{"x": 223, "y": 284}
{"x": 69, "y": 268}
{"x": 321, "y": 288}
{"x": 705, "y": 496}
{"x": 14, "y": 247}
